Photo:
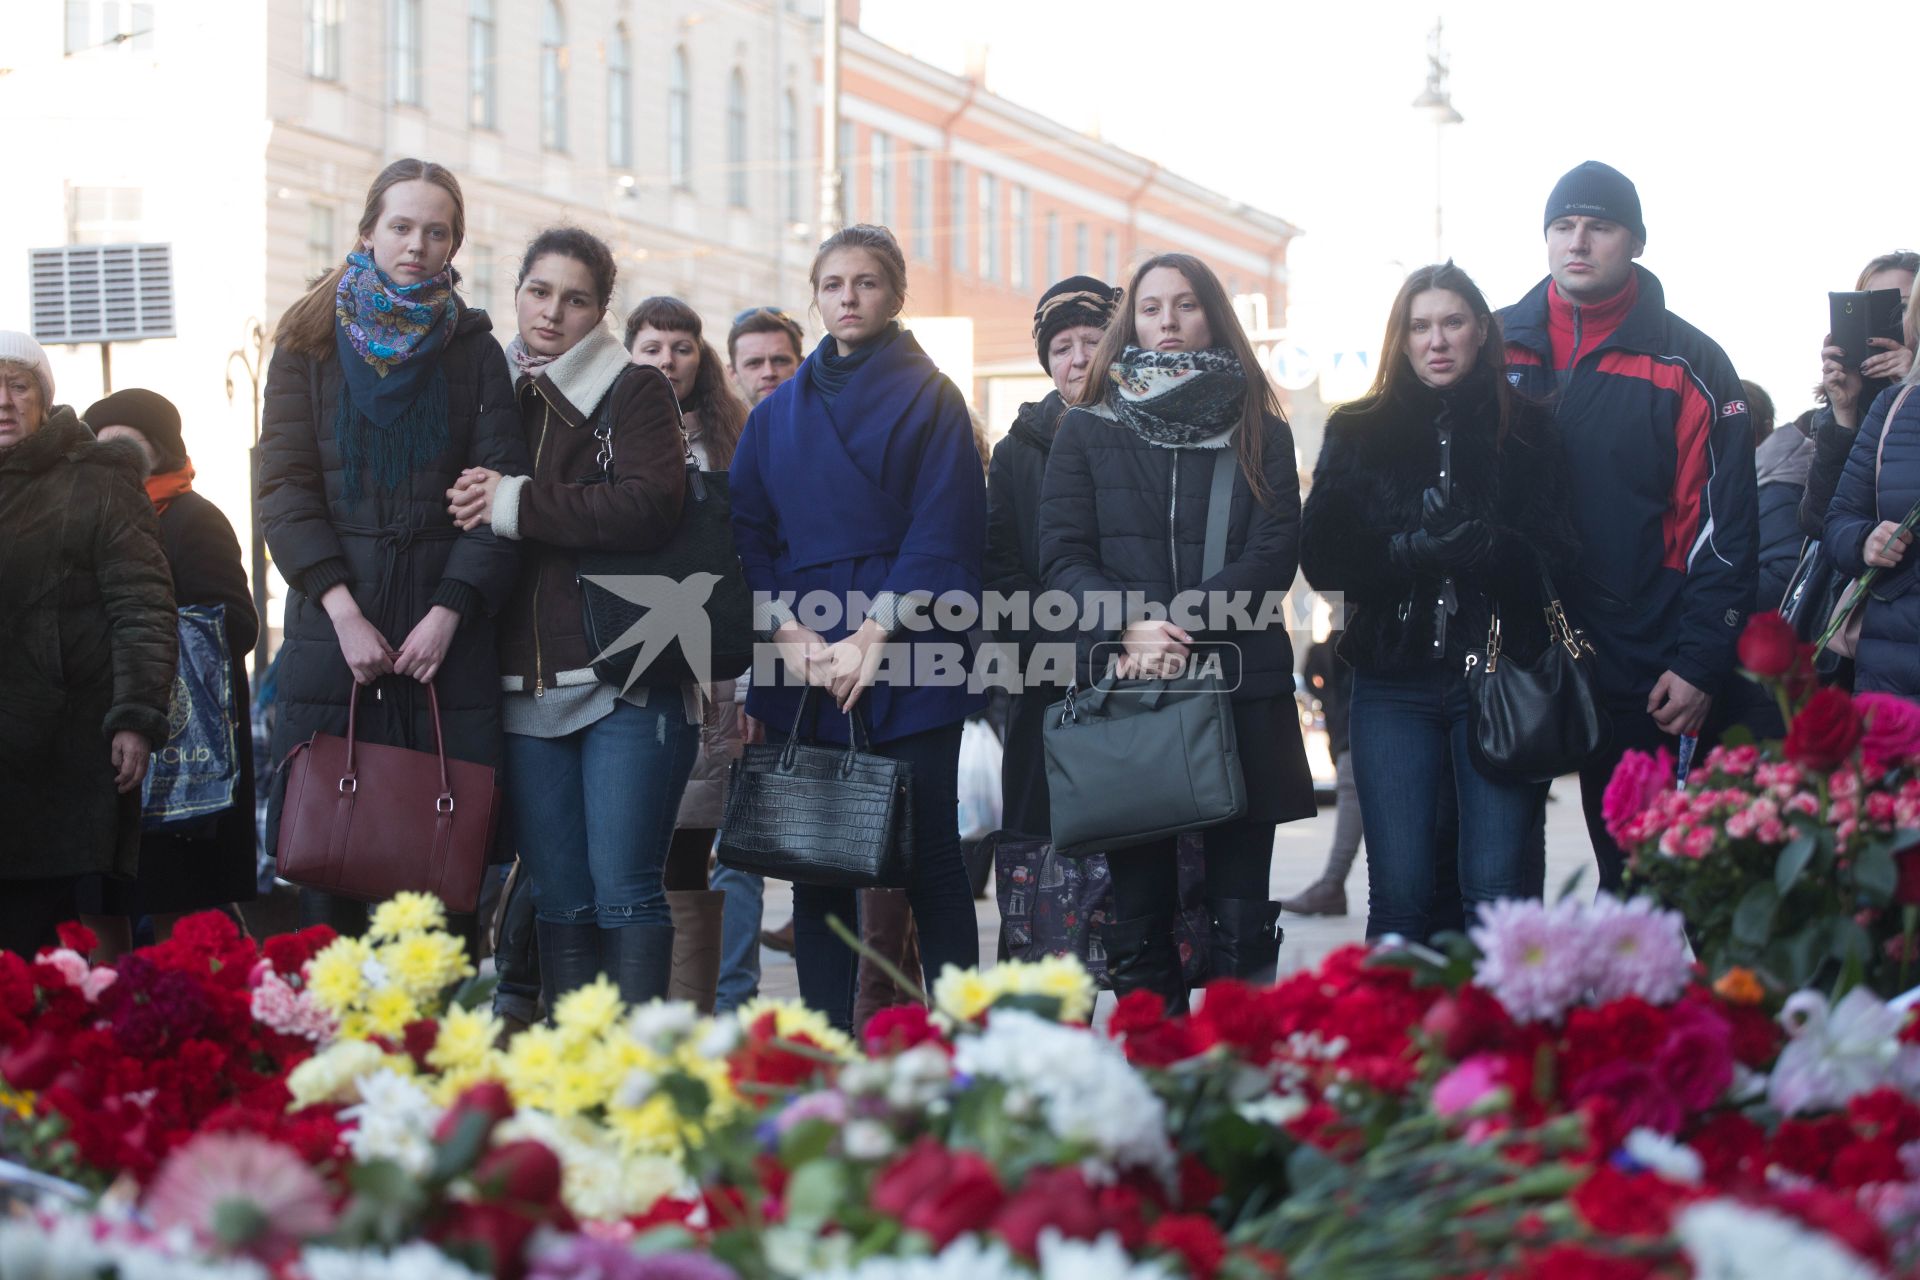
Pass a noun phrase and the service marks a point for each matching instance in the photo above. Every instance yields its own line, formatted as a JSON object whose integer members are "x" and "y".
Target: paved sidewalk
{"x": 1299, "y": 852}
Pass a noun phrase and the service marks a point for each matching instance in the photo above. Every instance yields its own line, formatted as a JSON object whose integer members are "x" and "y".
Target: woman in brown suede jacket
{"x": 594, "y": 774}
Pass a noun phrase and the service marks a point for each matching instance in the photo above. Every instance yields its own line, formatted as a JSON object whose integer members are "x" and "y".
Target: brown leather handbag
{"x": 367, "y": 821}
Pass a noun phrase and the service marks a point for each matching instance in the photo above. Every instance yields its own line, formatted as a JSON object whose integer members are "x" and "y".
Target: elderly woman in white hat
{"x": 87, "y": 648}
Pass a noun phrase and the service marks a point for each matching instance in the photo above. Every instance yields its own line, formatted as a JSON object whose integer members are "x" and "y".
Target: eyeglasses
{"x": 751, "y": 312}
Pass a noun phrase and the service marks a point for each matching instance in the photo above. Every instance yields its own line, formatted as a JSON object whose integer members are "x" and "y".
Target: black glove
{"x": 1465, "y": 547}
{"x": 1438, "y": 516}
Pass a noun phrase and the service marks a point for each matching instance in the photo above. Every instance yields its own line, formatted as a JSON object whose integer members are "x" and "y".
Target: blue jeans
{"x": 941, "y": 895}
{"x": 593, "y": 813}
{"x": 739, "y": 937}
{"x": 1405, "y": 727}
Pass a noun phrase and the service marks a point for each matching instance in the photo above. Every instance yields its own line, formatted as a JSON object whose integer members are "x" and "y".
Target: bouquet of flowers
{"x": 1795, "y": 861}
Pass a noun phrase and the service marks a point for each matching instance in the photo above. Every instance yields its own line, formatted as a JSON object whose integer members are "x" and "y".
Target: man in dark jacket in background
{"x": 1660, "y": 449}
{"x": 1780, "y": 466}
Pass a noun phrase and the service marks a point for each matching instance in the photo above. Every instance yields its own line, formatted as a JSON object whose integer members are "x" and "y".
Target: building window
{"x": 989, "y": 227}
{"x": 790, "y": 176}
{"x": 737, "y": 139}
{"x": 922, "y": 221}
{"x": 1052, "y": 249}
{"x": 477, "y": 278}
{"x": 482, "y": 78}
{"x": 407, "y": 53}
{"x": 880, "y": 161}
{"x": 125, "y": 25}
{"x": 323, "y": 38}
{"x": 1022, "y": 242}
{"x": 1081, "y": 255}
{"x": 619, "y": 101}
{"x": 553, "y": 78}
{"x": 957, "y": 213}
{"x": 1113, "y": 256}
{"x": 323, "y": 254}
{"x": 103, "y": 215}
{"x": 679, "y": 121}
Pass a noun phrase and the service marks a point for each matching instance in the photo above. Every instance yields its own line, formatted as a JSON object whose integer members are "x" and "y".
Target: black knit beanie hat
{"x": 1074, "y": 301}
{"x": 1596, "y": 190}
{"x": 149, "y": 413}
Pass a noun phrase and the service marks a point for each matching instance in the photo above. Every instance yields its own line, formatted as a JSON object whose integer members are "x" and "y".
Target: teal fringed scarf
{"x": 393, "y": 418}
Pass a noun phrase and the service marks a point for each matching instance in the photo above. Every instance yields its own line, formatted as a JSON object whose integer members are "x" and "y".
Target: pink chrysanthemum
{"x": 1532, "y": 957}
{"x": 1635, "y": 949}
{"x": 241, "y": 1189}
{"x": 278, "y": 1006}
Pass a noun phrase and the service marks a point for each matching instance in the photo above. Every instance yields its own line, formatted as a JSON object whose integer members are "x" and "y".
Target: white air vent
{"x": 102, "y": 292}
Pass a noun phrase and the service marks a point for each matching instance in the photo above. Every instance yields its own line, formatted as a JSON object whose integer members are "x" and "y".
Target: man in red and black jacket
{"x": 1654, "y": 423}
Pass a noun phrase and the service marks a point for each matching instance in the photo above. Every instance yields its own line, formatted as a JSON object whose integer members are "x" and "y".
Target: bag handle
{"x": 858, "y": 739}
{"x": 350, "y": 783}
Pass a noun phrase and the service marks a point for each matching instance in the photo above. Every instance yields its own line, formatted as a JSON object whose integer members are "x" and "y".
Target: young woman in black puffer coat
{"x": 1124, "y": 510}
{"x": 1424, "y": 554}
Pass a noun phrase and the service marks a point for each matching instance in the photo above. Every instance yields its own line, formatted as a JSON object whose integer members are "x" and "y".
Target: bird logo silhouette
{"x": 671, "y": 609}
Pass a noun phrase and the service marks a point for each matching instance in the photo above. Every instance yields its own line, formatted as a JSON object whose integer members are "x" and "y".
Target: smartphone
{"x": 1853, "y": 318}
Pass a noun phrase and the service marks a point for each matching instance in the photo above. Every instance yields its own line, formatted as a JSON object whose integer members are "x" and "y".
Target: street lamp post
{"x": 252, "y": 356}
{"x": 1437, "y": 101}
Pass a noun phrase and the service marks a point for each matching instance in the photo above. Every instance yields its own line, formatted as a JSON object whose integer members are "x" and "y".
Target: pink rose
{"x": 1640, "y": 1096}
{"x": 1696, "y": 1060}
{"x": 1893, "y": 728}
{"x": 1699, "y": 842}
{"x": 1637, "y": 781}
{"x": 1467, "y": 1084}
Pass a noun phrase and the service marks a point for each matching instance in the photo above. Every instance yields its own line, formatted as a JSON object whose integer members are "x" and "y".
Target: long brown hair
{"x": 307, "y": 326}
{"x": 1395, "y": 376}
{"x": 1262, "y": 401}
{"x": 722, "y": 413}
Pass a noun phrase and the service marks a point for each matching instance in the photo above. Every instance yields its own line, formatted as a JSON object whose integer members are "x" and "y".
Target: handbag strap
{"x": 1880, "y": 450}
{"x": 1219, "y": 508}
{"x": 443, "y": 803}
{"x": 858, "y": 739}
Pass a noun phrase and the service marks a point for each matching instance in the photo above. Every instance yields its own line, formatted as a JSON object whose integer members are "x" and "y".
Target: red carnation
{"x": 77, "y": 937}
{"x": 1465, "y": 1022}
{"x": 1620, "y": 1204}
{"x": 965, "y": 1201}
{"x": 1056, "y": 1198}
{"x": 1732, "y": 1149}
{"x": 1768, "y": 646}
{"x": 1194, "y": 1237}
{"x": 1825, "y": 731}
{"x": 918, "y": 1171}
{"x": 1577, "y": 1262}
{"x": 899, "y": 1028}
{"x": 488, "y": 1098}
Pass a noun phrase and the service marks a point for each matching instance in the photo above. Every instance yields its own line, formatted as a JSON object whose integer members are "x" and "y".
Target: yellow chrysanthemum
{"x": 406, "y": 913}
{"x": 531, "y": 1063}
{"x": 652, "y": 1128}
{"x": 1066, "y": 980}
{"x": 389, "y": 1010}
{"x": 329, "y": 1076}
{"x": 792, "y": 1020}
{"x": 588, "y": 1011}
{"x": 964, "y": 994}
{"x": 335, "y": 977}
{"x": 21, "y": 1104}
{"x": 425, "y": 964}
{"x": 466, "y": 1040}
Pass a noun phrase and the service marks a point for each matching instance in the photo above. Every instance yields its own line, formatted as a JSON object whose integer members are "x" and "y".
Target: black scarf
{"x": 831, "y": 371}
{"x": 1176, "y": 399}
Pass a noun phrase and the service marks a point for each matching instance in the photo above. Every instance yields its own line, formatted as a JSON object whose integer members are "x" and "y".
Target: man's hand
{"x": 1677, "y": 707}
{"x": 131, "y": 755}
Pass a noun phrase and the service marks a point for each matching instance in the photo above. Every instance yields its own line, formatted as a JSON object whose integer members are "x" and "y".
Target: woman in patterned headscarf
{"x": 384, "y": 388}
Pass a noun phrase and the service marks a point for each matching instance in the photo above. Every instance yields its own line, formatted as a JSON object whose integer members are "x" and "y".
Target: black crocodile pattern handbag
{"x": 822, "y": 814}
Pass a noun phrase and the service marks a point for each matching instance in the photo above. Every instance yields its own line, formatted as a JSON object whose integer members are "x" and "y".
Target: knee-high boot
{"x": 1244, "y": 938}
{"x": 1141, "y": 956}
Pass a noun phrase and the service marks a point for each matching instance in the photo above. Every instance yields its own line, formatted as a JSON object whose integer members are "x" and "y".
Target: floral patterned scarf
{"x": 393, "y": 418}
{"x": 1176, "y": 399}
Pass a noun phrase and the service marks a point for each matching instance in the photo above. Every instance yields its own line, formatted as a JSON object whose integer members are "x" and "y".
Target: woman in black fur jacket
{"x": 1437, "y": 499}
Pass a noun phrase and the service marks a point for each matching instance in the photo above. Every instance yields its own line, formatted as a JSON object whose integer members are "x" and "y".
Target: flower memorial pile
{"x": 1796, "y": 863}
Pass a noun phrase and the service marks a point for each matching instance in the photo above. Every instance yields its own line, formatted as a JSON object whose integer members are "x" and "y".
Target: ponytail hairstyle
{"x": 1261, "y": 402}
{"x": 1395, "y": 376}
{"x": 722, "y": 413}
{"x": 307, "y": 326}
{"x": 585, "y": 248}
{"x": 880, "y": 243}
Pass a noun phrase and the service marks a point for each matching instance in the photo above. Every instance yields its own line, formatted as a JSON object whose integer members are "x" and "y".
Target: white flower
{"x": 916, "y": 1078}
{"x": 967, "y": 1258}
{"x": 1837, "y": 1054}
{"x": 394, "y": 1120}
{"x": 1275, "y": 1109}
{"x": 1086, "y": 1089}
{"x": 1729, "y": 1241}
{"x": 76, "y": 1247}
{"x": 662, "y": 1024}
{"x": 409, "y": 1262}
{"x": 720, "y": 1038}
{"x": 867, "y": 1140}
{"x": 1102, "y": 1259}
{"x": 1660, "y": 1154}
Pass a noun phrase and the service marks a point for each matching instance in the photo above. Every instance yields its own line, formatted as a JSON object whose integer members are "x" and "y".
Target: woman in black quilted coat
{"x": 1124, "y": 509}
{"x": 384, "y": 388}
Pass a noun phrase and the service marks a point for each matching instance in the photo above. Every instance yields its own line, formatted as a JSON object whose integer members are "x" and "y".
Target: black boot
{"x": 639, "y": 959}
{"x": 1141, "y": 957}
{"x": 569, "y": 957}
{"x": 1244, "y": 939}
